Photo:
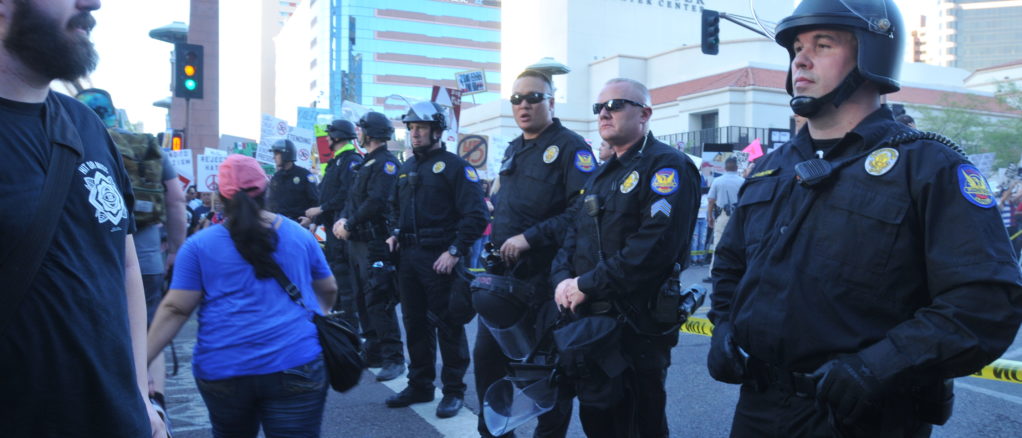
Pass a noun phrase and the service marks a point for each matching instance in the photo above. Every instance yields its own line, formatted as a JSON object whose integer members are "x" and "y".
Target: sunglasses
{"x": 533, "y": 97}
{"x": 614, "y": 105}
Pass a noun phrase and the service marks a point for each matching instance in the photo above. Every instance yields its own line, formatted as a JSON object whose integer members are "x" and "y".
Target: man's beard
{"x": 47, "y": 48}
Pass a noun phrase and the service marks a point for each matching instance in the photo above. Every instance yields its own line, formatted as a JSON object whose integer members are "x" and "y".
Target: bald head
{"x": 634, "y": 89}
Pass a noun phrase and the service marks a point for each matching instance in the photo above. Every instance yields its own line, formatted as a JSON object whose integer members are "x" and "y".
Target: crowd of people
{"x": 846, "y": 295}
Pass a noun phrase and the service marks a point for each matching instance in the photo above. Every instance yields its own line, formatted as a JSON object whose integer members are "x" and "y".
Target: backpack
{"x": 143, "y": 160}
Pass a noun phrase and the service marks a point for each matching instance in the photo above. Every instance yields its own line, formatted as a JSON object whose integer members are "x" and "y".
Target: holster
{"x": 591, "y": 357}
{"x": 933, "y": 400}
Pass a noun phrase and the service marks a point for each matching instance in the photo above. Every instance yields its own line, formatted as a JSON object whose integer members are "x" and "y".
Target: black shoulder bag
{"x": 21, "y": 265}
{"x": 340, "y": 343}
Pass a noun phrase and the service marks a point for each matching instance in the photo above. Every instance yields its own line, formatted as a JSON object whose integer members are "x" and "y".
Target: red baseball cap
{"x": 241, "y": 173}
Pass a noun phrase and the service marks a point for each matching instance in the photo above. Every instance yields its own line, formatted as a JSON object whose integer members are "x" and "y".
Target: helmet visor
{"x": 516, "y": 341}
{"x": 508, "y": 405}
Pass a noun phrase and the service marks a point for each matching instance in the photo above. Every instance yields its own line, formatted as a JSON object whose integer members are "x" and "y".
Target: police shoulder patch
{"x": 974, "y": 186}
{"x": 550, "y": 154}
{"x": 312, "y": 178}
{"x": 470, "y": 174}
{"x": 664, "y": 181}
{"x": 439, "y": 166}
{"x": 389, "y": 168}
{"x": 584, "y": 161}
{"x": 630, "y": 182}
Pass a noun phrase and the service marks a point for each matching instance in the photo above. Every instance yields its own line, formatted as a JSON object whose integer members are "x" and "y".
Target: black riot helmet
{"x": 341, "y": 129}
{"x": 376, "y": 126}
{"x": 427, "y": 112}
{"x": 880, "y": 34}
{"x": 287, "y": 149}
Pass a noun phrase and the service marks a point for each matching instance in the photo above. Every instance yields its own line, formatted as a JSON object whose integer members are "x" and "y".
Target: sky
{"x": 135, "y": 69}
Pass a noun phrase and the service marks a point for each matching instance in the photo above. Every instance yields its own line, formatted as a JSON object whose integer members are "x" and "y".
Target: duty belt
{"x": 764, "y": 375}
{"x": 408, "y": 239}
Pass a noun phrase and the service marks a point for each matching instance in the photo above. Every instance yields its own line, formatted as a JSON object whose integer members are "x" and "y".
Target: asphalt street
{"x": 697, "y": 406}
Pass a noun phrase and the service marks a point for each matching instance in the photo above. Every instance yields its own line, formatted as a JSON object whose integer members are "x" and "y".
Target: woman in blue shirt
{"x": 257, "y": 359}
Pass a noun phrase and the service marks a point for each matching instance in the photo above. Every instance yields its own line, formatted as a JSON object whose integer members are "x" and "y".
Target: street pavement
{"x": 697, "y": 406}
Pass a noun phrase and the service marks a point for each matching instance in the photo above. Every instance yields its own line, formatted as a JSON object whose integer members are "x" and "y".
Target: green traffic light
{"x": 190, "y": 84}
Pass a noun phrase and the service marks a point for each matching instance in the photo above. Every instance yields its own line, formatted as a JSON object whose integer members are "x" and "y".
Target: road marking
{"x": 462, "y": 425}
{"x": 990, "y": 392}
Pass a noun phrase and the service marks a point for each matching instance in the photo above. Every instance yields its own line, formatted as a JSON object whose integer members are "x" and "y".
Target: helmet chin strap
{"x": 807, "y": 106}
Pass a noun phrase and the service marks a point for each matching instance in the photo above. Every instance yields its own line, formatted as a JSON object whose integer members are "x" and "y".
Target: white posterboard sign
{"x": 272, "y": 129}
{"x": 208, "y": 168}
{"x": 471, "y": 82}
{"x": 183, "y": 165}
{"x": 304, "y": 140}
{"x": 215, "y": 152}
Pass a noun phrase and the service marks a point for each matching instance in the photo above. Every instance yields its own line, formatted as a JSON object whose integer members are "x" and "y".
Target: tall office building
{"x": 395, "y": 49}
{"x": 974, "y": 34}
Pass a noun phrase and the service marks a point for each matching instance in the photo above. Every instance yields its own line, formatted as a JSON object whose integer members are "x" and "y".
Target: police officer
{"x": 866, "y": 263}
{"x": 292, "y": 188}
{"x": 364, "y": 225}
{"x": 542, "y": 172}
{"x": 440, "y": 212}
{"x": 636, "y": 221}
{"x": 333, "y": 194}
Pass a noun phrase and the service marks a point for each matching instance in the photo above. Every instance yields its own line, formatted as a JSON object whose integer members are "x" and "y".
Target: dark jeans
{"x": 375, "y": 310}
{"x": 288, "y": 403}
{"x": 153, "y": 285}
{"x": 425, "y": 297}
{"x": 772, "y": 412}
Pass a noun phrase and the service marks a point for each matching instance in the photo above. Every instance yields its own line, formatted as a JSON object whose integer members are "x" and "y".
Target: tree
{"x": 960, "y": 118}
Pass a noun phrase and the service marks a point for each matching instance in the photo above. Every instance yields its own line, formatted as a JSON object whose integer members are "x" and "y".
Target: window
{"x": 312, "y": 45}
{"x": 313, "y": 22}
{"x": 312, "y": 64}
{"x": 312, "y": 86}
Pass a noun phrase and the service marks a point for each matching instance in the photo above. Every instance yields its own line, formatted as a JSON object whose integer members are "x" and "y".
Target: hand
{"x": 724, "y": 361}
{"x": 709, "y": 219}
{"x": 159, "y": 428}
{"x": 445, "y": 263}
{"x": 392, "y": 243}
{"x": 567, "y": 294}
{"x": 339, "y": 231}
{"x": 313, "y": 212}
{"x": 514, "y": 247}
{"x": 304, "y": 221}
{"x": 848, "y": 387}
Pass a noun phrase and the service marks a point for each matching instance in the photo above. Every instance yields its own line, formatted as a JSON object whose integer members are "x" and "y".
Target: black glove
{"x": 724, "y": 361}
{"x": 848, "y": 387}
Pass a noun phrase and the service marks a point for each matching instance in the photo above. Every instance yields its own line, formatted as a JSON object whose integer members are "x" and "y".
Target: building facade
{"x": 974, "y": 34}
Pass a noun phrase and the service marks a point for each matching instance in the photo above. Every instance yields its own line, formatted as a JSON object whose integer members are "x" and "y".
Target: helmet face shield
{"x": 516, "y": 399}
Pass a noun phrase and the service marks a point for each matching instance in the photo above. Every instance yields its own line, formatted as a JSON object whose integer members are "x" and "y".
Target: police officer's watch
{"x": 453, "y": 250}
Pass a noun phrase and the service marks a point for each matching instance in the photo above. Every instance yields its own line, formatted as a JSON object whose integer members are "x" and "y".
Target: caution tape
{"x": 1002, "y": 370}
{"x": 1013, "y": 236}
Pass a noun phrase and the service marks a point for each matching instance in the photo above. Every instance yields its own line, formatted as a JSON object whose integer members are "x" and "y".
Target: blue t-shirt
{"x": 66, "y": 364}
{"x": 249, "y": 326}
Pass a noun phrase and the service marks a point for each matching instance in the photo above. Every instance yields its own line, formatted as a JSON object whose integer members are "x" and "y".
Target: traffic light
{"x": 711, "y": 32}
{"x": 188, "y": 71}
{"x": 177, "y": 141}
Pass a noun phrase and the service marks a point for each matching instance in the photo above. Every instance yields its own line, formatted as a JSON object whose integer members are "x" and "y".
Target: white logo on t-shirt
{"x": 103, "y": 193}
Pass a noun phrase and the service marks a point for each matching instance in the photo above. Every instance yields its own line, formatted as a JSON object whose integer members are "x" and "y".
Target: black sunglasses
{"x": 533, "y": 97}
{"x": 614, "y": 105}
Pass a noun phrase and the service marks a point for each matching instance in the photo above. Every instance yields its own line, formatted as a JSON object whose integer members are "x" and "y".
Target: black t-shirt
{"x": 66, "y": 364}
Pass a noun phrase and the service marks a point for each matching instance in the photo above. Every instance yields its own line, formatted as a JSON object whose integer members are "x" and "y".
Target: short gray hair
{"x": 636, "y": 85}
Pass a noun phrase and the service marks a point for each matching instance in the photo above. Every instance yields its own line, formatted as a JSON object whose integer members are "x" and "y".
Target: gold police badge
{"x": 439, "y": 167}
{"x": 550, "y": 154}
{"x": 630, "y": 182}
{"x": 881, "y": 161}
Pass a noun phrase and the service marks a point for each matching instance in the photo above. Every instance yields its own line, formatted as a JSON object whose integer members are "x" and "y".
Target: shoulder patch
{"x": 470, "y": 174}
{"x": 770, "y": 172}
{"x": 312, "y": 178}
{"x": 550, "y": 154}
{"x": 584, "y": 161}
{"x": 664, "y": 181}
{"x": 974, "y": 186}
{"x": 389, "y": 168}
{"x": 630, "y": 182}
{"x": 439, "y": 166}
{"x": 660, "y": 207}
{"x": 881, "y": 161}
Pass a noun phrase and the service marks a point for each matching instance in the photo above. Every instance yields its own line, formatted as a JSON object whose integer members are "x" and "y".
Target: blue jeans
{"x": 699, "y": 241}
{"x": 288, "y": 403}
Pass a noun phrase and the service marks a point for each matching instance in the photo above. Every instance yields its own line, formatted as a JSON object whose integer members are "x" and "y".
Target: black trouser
{"x": 375, "y": 309}
{"x": 640, "y": 412}
{"x": 491, "y": 364}
{"x": 336, "y": 251}
{"x": 425, "y": 296}
{"x": 772, "y": 412}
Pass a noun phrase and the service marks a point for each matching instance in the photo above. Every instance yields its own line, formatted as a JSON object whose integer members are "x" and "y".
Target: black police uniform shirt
{"x": 337, "y": 180}
{"x": 900, "y": 256}
{"x": 448, "y": 199}
{"x": 368, "y": 202}
{"x": 649, "y": 200}
{"x": 66, "y": 357}
{"x": 539, "y": 180}
{"x": 293, "y": 191}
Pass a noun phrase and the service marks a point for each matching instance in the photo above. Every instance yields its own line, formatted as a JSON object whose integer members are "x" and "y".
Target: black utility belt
{"x": 763, "y": 375}
{"x": 367, "y": 232}
{"x": 412, "y": 239}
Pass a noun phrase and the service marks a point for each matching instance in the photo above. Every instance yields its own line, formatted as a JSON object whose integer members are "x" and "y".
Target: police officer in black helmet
{"x": 292, "y": 188}
{"x": 364, "y": 225}
{"x": 333, "y": 194}
{"x": 542, "y": 172}
{"x": 439, "y": 212}
{"x": 865, "y": 264}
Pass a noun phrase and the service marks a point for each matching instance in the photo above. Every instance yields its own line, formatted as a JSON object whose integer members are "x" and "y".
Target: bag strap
{"x": 289, "y": 287}
{"x": 22, "y": 263}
